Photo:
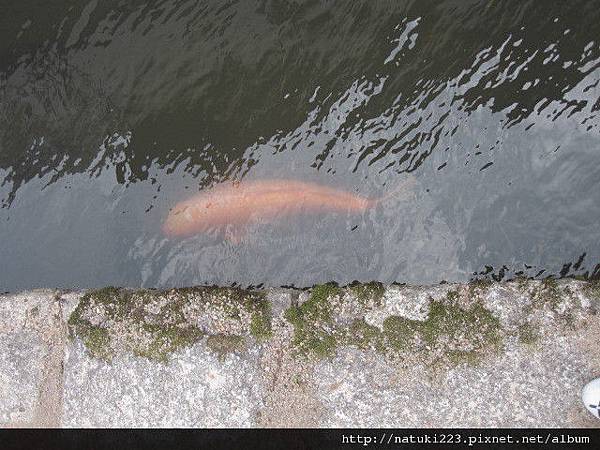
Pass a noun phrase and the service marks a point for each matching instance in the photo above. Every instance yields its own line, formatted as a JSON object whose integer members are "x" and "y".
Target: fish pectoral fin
{"x": 235, "y": 235}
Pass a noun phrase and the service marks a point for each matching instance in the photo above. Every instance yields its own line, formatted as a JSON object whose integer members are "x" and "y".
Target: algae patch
{"x": 154, "y": 324}
{"x": 260, "y": 320}
{"x": 312, "y": 321}
{"x": 112, "y": 319}
{"x": 477, "y": 325}
{"x": 400, "y": 334}
{"x": 366, "y": 293}
{"x": 223, "y": 344}
{"x": 365, "y": 336}
{"x": 528, "y": 334}
{"x": 97, "y": 340}
{"x": 164, "y": 341}
{"x": 449, "y": 332}
{"x": 560, "y": 302}
{"x": 548, "y": 293}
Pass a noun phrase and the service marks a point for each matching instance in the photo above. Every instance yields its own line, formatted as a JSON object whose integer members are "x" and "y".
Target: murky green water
{"x": 111, "y": 112}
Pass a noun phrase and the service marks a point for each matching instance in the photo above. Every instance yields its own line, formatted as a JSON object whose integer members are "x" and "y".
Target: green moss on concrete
{"x": 159, "y": 334}
{"x": 318, "y": 306}
{"x": 95, "y": 337}
{"x": 97, "y": 341}
{"x": 400, "y": 333}
{"x": 321, "y": 344}
{"x": 311, "y": 337}
{"x": 368, "y": 293}
{"x": 550, "y": 293}
{"x": 457, "y": 357}
{"x": 154, "y": 324}
{"x": 223, "y": 344}
{"x": 162, "y": 319}
{"x": 260, "y": 325}
{"x": 165, "y": 341}
{"x": 312, "y": 321}
{"x": 260, "y": 316}
{"x": 521, "y": 282}
{"x": 107, "y": 295}
{"x": 546, "y": 294}
{"x": 446, "y": 327}
{"x": 477, "y": 324}
{"x": 478, "y": 288}
{"x": 170, "y": 314}
{"x": 365, "y": 336}
{"x": 561, "y": 302}
{"x": 238, "y": 305}
{"x": 452, "y": 296}
{"x": 114, "y": 300}
{"x": 316, "y": 309}
{"x": 528, "y": 334}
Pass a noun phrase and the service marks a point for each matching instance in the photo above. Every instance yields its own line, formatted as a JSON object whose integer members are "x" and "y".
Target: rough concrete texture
{"x": 195, "y": 389}
{"x": 32, "y": 342}
{"x": 480, "y": 354}
{"x": 21, "y": 357}
{"x": 520, "y": 388}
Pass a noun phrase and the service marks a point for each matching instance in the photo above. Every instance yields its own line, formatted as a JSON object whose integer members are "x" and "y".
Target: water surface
{"x": 111, "y": 112}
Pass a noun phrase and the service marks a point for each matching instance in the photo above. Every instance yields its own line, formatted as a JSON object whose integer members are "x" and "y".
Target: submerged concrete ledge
{"x": 510, "y": 354}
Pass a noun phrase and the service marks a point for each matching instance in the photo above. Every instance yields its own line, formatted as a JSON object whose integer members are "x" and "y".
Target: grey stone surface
{"x": 195, "y": 388}
{"x": 243, "y": 365}
{"x": 524, "y": 387}
{"x": 31, "y": 310}
{"x": 31, "y": 347}
{"x": 21, "y": 357}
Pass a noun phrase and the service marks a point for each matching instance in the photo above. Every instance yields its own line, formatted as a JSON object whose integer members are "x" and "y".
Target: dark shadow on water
{"x": 218, "y": 87}
{"x": 347, "y": 93}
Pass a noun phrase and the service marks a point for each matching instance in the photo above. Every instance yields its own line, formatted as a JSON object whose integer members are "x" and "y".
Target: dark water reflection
{"x": 113, "y": 111}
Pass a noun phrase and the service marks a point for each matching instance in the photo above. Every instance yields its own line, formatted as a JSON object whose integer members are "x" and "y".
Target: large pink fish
{"x": 230, "y": 207}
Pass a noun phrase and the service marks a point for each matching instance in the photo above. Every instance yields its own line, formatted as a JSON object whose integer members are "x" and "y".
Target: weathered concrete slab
{"x": 21, "y": 367}
{"x": 477, "y": 354}
{"x": 32, "y": 336}
{"x": 524, "y": 387}
{"x": 196, "y": 388}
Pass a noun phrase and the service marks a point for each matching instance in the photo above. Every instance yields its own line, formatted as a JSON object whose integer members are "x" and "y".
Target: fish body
{"x": 238, "y": 204}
